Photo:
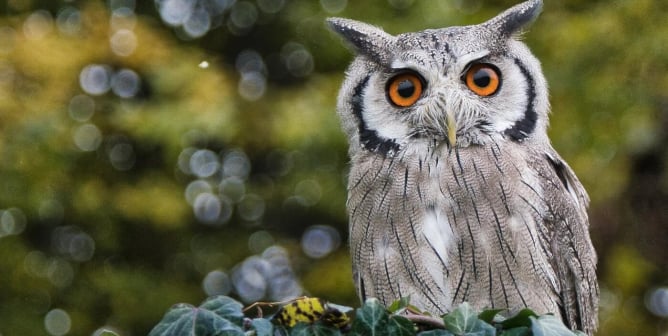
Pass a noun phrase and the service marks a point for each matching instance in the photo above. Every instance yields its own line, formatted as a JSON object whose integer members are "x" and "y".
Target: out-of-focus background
{"x": 161, "y": 151}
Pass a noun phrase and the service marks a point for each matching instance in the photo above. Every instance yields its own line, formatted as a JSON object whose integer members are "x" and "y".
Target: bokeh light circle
{"x": 57, "y": 322}
{"x": 236, "y": 163}
{"x": 195, "y": 188}
{"x": 656, "y": 301}
{"x": 217, "y": 283}
{"x": 320, "y": 240}
{"x": 252, "y": 86}
{"x": 81, "y": 108}
{"x": 95, "y": 79}
{"x": 249, "y": 280}
{"x": 122, "y": 156}
{"x": 333, "y": 6}
{"x": 175, "y": 12}
{"x": 87, "y": 137}
{"x": 125, "y": 83}
{"x": 270, "y": 6}
{"x": 68, "y": 20}
{"x": 38, "y": 24}
{"x": 12, "y": 222}
{"x": 123, "y": 42}
{"x": 260, "y": 240}
{"x": 204, "y": 163}
{"x": 73, "y": 243}
{"x": 198, "y": 23}
{"x": 251, "y": 207}
{"x": 233, "y": 187}
{"x": 207, "y": 208}
{"x": 243, "y": 15}
{"x": 60, "y": 272}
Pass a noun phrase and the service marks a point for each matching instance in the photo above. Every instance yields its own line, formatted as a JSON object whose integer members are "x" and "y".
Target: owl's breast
{"x": 446, "y": 226}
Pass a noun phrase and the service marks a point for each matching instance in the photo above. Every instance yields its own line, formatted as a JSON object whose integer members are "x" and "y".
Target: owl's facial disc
{"x": 456, "y": 87}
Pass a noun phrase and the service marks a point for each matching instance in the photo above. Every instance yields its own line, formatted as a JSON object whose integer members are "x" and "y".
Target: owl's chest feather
{"x": 466, "y": 206}
{"x": 445, "y": 221}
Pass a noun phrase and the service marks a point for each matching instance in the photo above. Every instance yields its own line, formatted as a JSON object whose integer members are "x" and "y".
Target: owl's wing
{"x": 573, "y": 255}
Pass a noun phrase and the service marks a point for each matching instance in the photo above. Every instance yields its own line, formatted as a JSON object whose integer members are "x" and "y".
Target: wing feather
{"x": 574, "y": 258}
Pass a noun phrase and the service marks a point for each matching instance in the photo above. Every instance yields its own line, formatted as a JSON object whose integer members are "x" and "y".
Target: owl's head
{"x": 455, "y": 86}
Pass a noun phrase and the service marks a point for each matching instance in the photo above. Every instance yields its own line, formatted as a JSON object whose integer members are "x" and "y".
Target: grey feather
{"x": 460, "y": 196}
{"x": 364, "y": 38}
{"x": 514, "y": 19}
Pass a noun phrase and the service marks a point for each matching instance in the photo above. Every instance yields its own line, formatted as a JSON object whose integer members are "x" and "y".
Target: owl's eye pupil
{"x": 405, "y": 89}
{"x": 483, "y": 79}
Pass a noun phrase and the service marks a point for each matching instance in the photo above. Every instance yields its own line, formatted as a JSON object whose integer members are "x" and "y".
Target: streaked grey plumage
{"x": 455, "y": 192}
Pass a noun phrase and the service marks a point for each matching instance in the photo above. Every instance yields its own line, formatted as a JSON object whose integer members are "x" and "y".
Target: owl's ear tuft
{"x": 513, "y": 20}
{"x": 365, "y": 39}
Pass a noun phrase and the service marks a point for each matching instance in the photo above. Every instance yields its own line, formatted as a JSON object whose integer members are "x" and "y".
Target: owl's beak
{"x": 451, "y": 125}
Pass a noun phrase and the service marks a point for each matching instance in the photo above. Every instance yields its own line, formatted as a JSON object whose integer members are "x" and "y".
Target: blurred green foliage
{"x": 96, "y": 217}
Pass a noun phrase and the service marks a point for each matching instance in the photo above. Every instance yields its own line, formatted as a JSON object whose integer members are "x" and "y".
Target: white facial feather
{"x": 389, "y": 126}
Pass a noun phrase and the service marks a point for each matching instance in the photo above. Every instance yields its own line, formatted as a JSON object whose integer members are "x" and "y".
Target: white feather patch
{"x": 380, "y": 117}
{"x": 439, "y": 235}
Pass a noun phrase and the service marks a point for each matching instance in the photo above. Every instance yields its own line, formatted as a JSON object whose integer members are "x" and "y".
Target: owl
{"x": 455, "y": 192}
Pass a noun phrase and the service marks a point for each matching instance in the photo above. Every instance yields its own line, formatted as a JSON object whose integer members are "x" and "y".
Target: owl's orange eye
{"x": 483, "y": 79}
{"x": 404, "y": 89}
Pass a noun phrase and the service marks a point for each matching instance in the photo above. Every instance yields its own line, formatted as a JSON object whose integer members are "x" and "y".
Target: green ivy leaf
{"x": 401, "y": 326}
{"x": 461, "y": 319}
{"x": 226, "y": 308}
{"x": 187, "y": 320}
{"x": 464, "y": 321}
{"x": 177, "y": 316}
{"x": 399, "y": 304}
{"x": 371, "y": 319}
{"x": 435, "y": 332}
{"x": 262, "y": 327}
{"x": 219, "y": 315}
{"x": 489, "y": 315}
{"x": 549, "y": 325}
{"x": 280, "y": 330}
{"x": 314, "y": 329}
{"x": 521, "y": 319}
{"x": 519, "y": 331}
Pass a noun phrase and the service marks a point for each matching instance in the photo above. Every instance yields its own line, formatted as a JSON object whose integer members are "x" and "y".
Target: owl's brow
{"x": 464, "y": 60}
{"x": 460, "y": 64}
{"x": 413, "y": 62}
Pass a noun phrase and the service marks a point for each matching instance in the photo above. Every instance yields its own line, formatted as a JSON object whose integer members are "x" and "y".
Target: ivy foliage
{"x": 221, "y": 315}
